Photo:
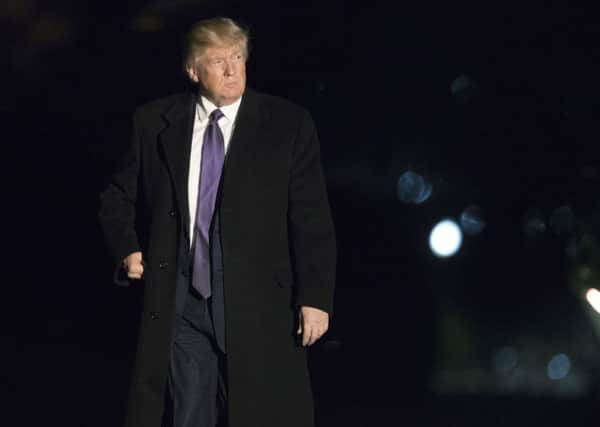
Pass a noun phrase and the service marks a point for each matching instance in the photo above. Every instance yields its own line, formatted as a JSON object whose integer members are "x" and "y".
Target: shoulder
{"x": 280, "y": 107}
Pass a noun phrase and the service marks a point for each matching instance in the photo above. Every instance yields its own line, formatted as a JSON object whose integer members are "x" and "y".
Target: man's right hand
{"x": 134, "y": 266}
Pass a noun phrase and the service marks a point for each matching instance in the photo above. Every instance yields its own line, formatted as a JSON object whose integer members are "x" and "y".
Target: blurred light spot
{"x": 413, "y": 188}
{"x": 472, "y": 221}
{"x": 584, "y": 272}
{"x": 50, "y": 32}
{"x": 593, "y": 298}
{"x": 464, "y": 89}
{"x": 559, "y": 367}
{"x": 571, "y": 249}
{"x": 562, "y": 220}
{"x": 505, "y": 359}
{"x": 445, "y": 238}
{"x": 320, "y": 86}
{"x": 147, "y": 23}
{"x": 534, "y": 224}
{"x": 583, "y": 248}
{"x": 16, "y": 10}
{"x": 460, "y": 83}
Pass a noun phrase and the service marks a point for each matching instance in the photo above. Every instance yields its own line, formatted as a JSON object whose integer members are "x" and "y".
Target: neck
{"x": 219, "y": 104}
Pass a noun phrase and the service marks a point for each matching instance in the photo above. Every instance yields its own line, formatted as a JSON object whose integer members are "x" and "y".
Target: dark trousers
{"x": 196, "y": 382}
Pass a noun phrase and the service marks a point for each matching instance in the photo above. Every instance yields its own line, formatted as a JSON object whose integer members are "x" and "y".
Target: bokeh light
{"x": 559, "y": 367}
{"x": 534, "y": 223}
{"x": 445, "y": 238}
{"x": 593, "y": 298}
{"x": 16, "y": 10}
{"x": 562, "y": 220}
{"x": 505, "y": 359}
{"x": 148, "y": 23}
{"x": 472, "y": 220}
{"x": 413, "y": 188}
{"x": 464, "y": 89}
{"x": 51, "y": 31}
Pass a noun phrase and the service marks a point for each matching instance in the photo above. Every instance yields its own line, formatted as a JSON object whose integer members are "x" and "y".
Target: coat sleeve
{"x": 311, "y": 230}
{"x": 117, "y": 210}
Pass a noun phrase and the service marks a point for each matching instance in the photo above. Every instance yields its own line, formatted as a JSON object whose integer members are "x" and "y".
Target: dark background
{"x": 416, "y": 340}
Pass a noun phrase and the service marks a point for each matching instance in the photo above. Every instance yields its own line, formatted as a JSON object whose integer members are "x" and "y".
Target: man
{"x": 219, "y": 208}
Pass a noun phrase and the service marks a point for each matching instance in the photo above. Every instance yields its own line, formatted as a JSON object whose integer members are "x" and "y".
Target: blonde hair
{"x": 212, "y": 32}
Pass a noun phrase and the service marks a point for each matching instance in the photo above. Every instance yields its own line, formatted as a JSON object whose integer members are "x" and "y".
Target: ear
{"x": 192, "y": 74}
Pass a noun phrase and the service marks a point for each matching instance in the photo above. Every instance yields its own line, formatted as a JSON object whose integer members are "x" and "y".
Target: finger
{"x": 307, "y": 336}
{"x": 313, "y": 329}
{"x": 315, "y": 335}
{"x": 136, "y": 272}
{"x": 299, "y": 331}
{"x": 137, "y": 269}
{"x": 310, "y": 341}
{"x": 305, "y": 329}
{"x": 319, "y": 332}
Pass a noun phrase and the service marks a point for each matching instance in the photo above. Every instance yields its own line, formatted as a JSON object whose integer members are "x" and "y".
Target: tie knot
{"x": 215, "y": 115}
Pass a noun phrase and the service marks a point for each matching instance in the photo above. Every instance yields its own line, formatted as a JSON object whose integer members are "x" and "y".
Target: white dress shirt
{"x": 227, "y": 124}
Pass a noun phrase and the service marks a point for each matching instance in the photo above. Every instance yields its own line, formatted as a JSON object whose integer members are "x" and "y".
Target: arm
{"x": 117, "y": 211}
{"x": 311, "y": 230}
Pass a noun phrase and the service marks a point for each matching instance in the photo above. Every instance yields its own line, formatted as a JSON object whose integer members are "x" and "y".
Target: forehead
{"x": 224, "y": 50}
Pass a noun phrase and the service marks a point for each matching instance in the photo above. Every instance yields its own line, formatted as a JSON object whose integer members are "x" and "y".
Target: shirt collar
{"x": 207, "y": 107}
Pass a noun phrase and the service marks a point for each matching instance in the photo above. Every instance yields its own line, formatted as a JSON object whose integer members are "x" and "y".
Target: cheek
{"x": 214, "y": 83}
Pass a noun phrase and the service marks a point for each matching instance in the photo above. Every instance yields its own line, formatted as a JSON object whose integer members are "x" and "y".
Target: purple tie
{"x": 213, "y": 148}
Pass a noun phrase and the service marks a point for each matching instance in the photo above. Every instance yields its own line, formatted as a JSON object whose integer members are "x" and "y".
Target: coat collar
{"x": 175, "y": 141}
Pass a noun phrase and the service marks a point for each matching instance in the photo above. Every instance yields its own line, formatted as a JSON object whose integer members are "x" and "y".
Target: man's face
{"x": 221, "y": 73}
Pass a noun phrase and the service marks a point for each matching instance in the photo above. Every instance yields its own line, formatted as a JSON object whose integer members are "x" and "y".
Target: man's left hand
{"x": 313, "y": 324}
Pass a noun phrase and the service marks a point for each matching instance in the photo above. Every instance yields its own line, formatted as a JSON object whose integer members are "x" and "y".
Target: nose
{"x": 229, "y": 68}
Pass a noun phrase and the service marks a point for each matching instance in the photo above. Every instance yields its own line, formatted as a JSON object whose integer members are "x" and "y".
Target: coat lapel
{"x": 176, "y": 142}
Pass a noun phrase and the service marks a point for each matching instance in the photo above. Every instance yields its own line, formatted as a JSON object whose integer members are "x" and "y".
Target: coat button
{"x": 172, "y": 213}
{"x": 163, "y": 265}
{"x": 153, "y": 315}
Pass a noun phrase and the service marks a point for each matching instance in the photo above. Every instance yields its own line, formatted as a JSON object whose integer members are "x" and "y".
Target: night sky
{"x": 493, "y": 104}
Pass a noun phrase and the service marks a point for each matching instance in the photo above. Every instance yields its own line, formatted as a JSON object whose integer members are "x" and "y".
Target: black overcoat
{"x": 278, "y": 248}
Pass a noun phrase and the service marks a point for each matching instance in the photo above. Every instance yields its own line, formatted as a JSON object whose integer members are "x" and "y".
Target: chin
{"x": 232, "y": 95}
